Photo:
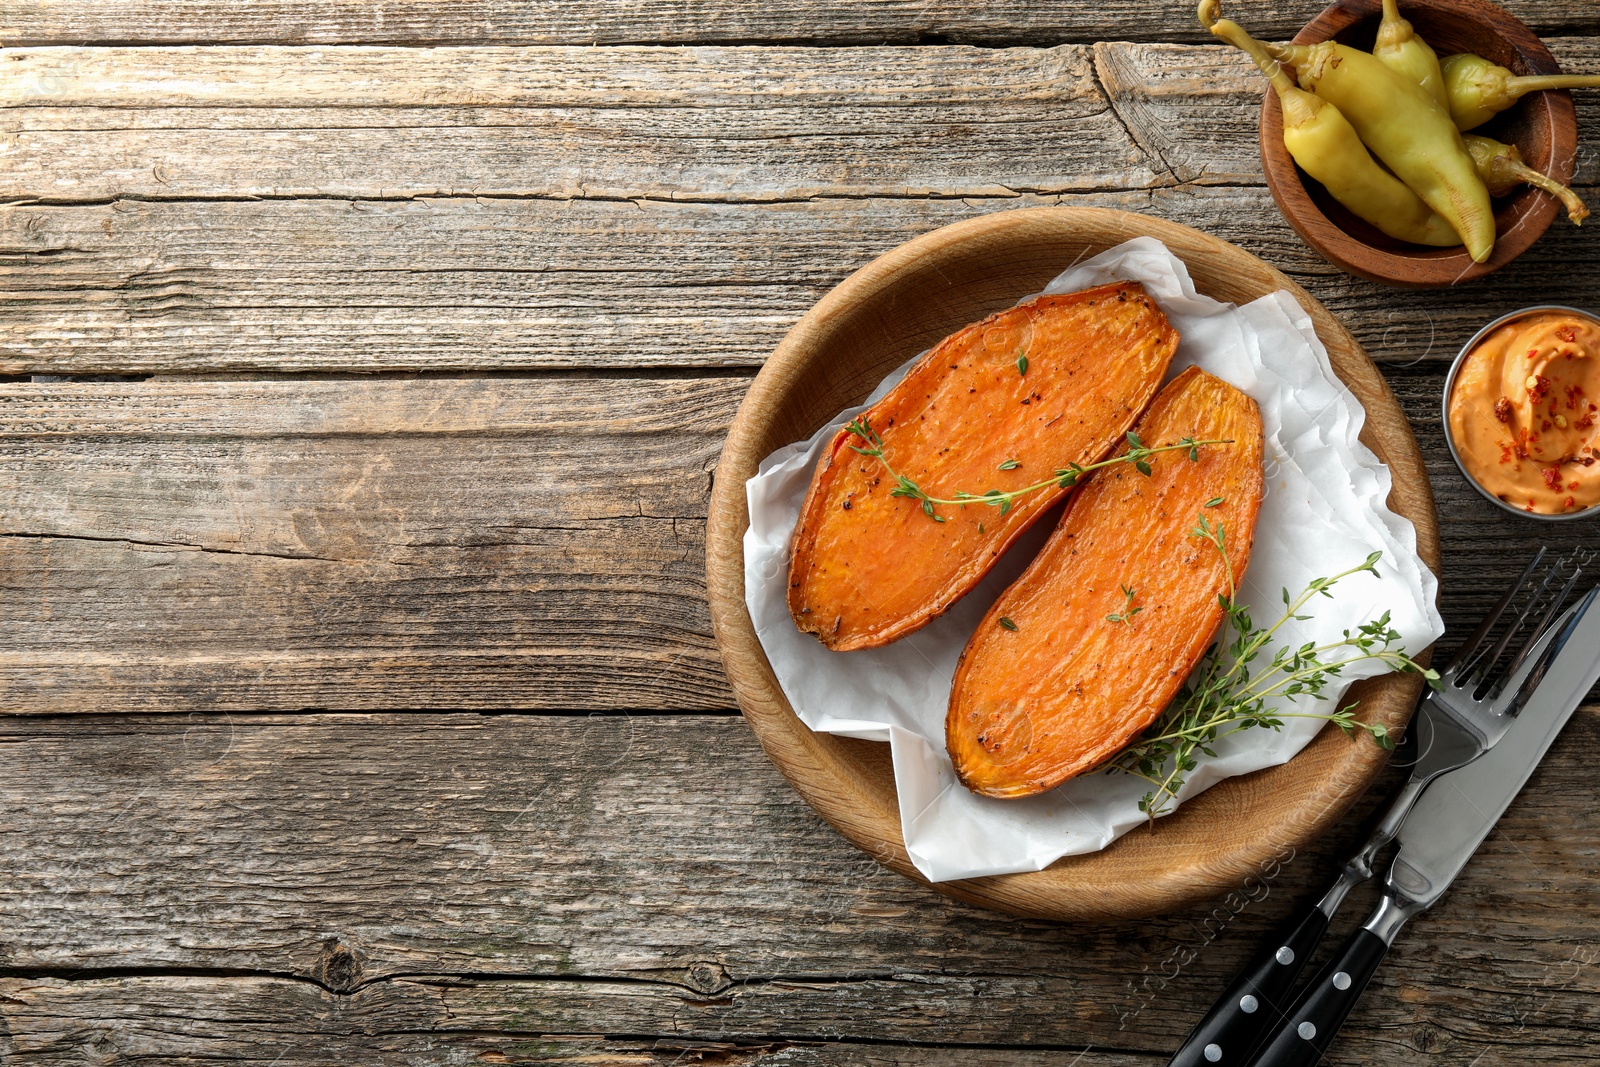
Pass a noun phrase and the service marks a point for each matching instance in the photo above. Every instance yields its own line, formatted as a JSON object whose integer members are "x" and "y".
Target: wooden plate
{"x": 893, "y": 308}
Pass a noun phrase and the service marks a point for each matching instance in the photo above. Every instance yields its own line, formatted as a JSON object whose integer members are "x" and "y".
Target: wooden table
{"x": 362, "y": 357}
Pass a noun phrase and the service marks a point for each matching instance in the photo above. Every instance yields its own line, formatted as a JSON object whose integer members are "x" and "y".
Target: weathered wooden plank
{"x": 450, "y": 1021}
{"x": 488, "y": 76}
{"x": 178, "y": 545}
{"x": 479, "y": 542}
{"x": 193, "y": 1020}
{"x": 482, "y": 284}
{"x": 698, "y": 123}
{"x": 1001, "y": 22}
{"x": 739, "y": 123}
{"x": 653, "y": 876}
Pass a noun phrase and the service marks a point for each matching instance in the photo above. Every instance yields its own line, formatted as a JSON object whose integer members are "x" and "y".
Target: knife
{"x": 1445, "y": 828}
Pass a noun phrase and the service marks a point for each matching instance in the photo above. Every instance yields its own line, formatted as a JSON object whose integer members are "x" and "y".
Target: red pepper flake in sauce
{"x": 1552, "y": 477}
{"x": 1502, "y": 409}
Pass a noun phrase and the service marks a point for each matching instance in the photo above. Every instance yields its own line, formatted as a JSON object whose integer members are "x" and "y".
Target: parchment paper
{"x": 1324, "y": 511}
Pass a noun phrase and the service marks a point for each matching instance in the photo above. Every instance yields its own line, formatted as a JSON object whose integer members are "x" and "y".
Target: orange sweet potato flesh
{"x": 1068, "y": 688}
{"x": 866, "y": 567}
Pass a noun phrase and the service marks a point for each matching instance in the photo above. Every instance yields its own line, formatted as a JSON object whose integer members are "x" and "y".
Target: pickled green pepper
{"x": 1478, "y": 90}
{"x": 1325, "y": 146}
{"x": 1405, "y": 128}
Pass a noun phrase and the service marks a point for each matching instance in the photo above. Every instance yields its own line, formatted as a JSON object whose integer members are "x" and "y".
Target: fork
{"x": 1469, "y": 709}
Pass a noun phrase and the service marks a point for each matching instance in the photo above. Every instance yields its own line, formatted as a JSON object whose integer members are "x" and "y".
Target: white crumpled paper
{"x": 1324, "y": 511}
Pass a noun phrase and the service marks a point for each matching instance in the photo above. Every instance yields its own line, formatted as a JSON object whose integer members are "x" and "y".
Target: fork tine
{"x": 1484, "y": 662}
{"x": 1479, "y": 667}
{"x": 1472, "y": 643}
{"x": 1539, "y": 627}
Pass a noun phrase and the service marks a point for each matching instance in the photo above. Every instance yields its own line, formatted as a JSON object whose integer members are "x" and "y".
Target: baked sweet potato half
{"x": 1093, "y": 640}
{"x": 999, "y": 405}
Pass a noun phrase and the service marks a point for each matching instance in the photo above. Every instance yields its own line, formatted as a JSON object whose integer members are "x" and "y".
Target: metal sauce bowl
{"x": 1450, "y": 385}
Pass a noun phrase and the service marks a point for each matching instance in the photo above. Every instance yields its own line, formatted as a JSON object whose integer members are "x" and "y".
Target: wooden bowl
{"x": 882, "y": 315}
{"x": 1542, "y": 125}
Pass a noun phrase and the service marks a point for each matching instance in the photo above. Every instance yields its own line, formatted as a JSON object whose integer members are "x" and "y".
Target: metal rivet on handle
{"x": 1248, "y": 1004}
{"x": 1213, "y": 1052}
{"x": 1341, "y": 981}
{"x": 1307, "y": 1031}
{"x": 1285, "y": 955}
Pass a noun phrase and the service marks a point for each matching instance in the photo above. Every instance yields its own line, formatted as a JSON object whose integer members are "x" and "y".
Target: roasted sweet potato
{"x": 1001, "y": 404}
{"x": 1091, "y": 643}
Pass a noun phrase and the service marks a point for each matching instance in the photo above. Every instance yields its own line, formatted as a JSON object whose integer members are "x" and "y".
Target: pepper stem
{"x": 1236, "y": 35}
{"x": 1517, "y": 170}
{"x": 1532, "y": 83}
{"x": 1396, "y": 29}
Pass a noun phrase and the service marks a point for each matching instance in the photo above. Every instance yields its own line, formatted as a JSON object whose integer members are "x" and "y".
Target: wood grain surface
{"x": 356, "y": 357}
{"x": 628, "y": 887}
{"x": 829, "y": 22}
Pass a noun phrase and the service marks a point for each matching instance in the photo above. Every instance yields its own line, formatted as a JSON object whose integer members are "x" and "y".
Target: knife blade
{"x": 1462, "y": 807}
{"x": 1443, "y": 831}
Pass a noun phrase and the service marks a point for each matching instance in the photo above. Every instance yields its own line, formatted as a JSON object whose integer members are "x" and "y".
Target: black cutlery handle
{"x": 1307, "y": 1029}
{"x": 1254, "y": 1002}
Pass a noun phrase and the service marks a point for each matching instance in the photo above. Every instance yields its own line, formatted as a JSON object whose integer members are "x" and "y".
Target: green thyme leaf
{"x": 1008, "y": 624}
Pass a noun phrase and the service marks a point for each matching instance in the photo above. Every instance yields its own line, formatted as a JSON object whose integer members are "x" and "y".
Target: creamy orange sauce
{"x": 1524, "y": 413}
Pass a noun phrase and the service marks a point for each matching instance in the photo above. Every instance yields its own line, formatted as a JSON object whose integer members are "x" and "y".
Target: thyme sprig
{"x": 1125, "y": 616}
{"x": 1227, "y": 696}
{"x": 1138, "y": 454}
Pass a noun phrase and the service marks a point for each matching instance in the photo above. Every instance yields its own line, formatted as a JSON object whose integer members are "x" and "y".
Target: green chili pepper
{"x": 1500, "y": 166}
{"x": 1400, "y": 49}
{"x": 1325, "y": 146}
{"x": 1478, "y": 89}
{"x": 1502, "y": 169}
{"x": 1406, "y": 128}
